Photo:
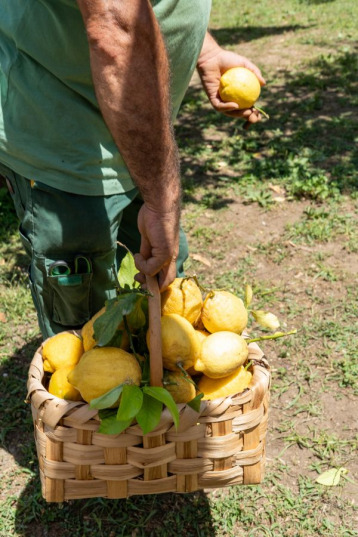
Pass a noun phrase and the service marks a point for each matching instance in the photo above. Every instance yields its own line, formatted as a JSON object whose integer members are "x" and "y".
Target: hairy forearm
{"x": 130, "y": 73}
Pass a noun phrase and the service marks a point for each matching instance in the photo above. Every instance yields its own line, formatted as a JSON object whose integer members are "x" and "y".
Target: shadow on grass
{"x": 308, "y": 141}
{"x": 234, "y": 36}
{"x": 316, "y": 2}
{"x": 166, "y": 515}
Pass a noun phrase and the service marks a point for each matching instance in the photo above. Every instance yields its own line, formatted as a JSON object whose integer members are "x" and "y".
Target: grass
{"x": 300, "y": 255}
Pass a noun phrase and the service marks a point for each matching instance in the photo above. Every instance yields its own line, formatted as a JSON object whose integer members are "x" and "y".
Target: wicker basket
{"x": 222, "y": 445}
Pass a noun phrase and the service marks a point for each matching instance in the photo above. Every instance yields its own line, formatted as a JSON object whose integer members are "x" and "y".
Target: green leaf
{"x": 116, "y": 341}
{"x": 149, "y": 415}
{"x": 108, "y": 399}
{"x": 106, "y": 413}
{"x": 127, "y": 271}
{"x": 131, "y": 402}
{"x": 110, "y": 425}
{"x": 331, "y": 478}
{"x": 195, "y": 403}
{"x": 106, "y": 326}
{"x": 162, "y": 395}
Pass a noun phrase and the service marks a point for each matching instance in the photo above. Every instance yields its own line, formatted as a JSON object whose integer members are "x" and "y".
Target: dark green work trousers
{"x": 81, "y": 231}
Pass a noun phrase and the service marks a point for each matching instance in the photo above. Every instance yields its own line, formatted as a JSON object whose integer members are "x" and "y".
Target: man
{"x": 89, "y": 92}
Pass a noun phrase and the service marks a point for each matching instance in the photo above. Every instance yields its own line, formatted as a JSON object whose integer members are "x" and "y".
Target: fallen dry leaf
{"x": 201, "y": 259}
{"x": 277, "y": 189}
{"x": 3, "y": 318}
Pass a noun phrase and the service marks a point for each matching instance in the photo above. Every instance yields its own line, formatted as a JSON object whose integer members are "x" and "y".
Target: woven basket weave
{"x": 222, "y": 445}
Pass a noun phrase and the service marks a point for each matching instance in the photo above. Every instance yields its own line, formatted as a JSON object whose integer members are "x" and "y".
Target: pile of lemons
{"x": 202, "y": 345}
{"x": 204, "y": 337}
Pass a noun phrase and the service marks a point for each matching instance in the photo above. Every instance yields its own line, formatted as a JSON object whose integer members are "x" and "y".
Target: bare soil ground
{"x": 242, "y": 231}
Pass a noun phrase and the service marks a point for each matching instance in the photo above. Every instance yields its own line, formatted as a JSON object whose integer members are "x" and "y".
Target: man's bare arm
{"x": 130, "y": 71}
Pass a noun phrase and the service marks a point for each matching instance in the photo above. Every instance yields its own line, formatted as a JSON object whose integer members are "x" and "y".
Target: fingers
{"x": 251, "y": 115}
{"x": 167, "y": 275}
{"x": 256, "y": 70}
{"x": 222, "y": 106}
{"x": 151, "y": 267}
{"x": 159, "y": 245}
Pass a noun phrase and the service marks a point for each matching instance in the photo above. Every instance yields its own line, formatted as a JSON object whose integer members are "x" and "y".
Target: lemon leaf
{"x": 107, "y": 399}
{"x": 266, "y": 319}
{"x": 110, "y": 425}
{"x": 162, "y": 395}
{"x": 131, "y": 402}
{"x": 116, "y": 341}
{"x": 127, "y": 271}
{"x": 248, "y": 295}
{"x": 106, "y": 326}
{"x": 331, "y": 478}
{"x": 107, "y": 413}
{"x": 149, "y": 415}
{"x": 196, "y": 402}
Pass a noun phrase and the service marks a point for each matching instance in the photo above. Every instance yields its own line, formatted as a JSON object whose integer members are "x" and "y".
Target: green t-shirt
{"x": 51, "y": 129}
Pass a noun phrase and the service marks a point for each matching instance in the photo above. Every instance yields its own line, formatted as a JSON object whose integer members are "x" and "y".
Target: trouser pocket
{"x": 62, "y": 301}
{"x": 70, "y": 298}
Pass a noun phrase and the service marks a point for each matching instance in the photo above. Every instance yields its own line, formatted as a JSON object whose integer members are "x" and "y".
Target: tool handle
{"x": 155, "y": 336}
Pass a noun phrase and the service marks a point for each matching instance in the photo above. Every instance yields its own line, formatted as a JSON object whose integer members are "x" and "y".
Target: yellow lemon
{"x": 240, "y": 85}
{"x": 180, "y": 387}
{"x": 60, "y": 386}
{"x": 183, "y": 297}
{"x": 87, "y": 333}
{"x": 103, "y": 368}
{"x": 223, "y": 310}
{"x": 180, "y": 344}
{"x": 202, "y": 335}
{"x": 221, "y": 353}
{"x": 235, "y": 383}
{"x": 62, "y": 350}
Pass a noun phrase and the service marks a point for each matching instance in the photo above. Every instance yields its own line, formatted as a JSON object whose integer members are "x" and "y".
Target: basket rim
{"x": 42, "y": 400}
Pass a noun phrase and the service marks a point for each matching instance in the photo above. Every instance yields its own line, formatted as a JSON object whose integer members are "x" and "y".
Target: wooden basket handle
{"x": 155, "y": 336}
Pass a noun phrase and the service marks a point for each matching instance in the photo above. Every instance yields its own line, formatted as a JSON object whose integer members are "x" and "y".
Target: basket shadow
{"x": 154, "y": 515}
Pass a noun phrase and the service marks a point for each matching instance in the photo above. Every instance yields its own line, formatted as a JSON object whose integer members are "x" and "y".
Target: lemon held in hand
{"x": 239, "y": 85}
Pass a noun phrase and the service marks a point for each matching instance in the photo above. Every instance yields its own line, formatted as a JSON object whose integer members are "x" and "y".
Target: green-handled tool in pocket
{"x": 62, "y": 271}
